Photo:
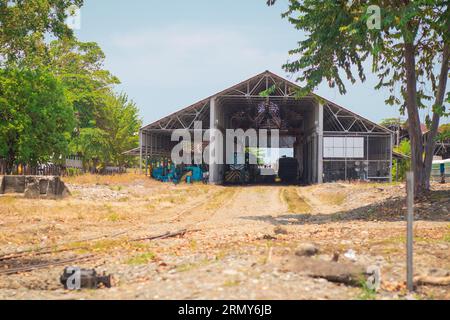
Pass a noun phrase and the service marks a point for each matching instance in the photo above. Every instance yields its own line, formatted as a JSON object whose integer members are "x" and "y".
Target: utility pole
{"x": 409, "y": 232}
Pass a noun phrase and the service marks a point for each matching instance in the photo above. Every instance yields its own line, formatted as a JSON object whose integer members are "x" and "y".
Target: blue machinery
{"x": 197, "y": 173}
{"x": 165, "y": 171}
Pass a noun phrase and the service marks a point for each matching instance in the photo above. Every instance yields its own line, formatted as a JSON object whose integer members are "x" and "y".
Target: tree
{"x": 410, "y": 40}
{"x": 102, "y": 124}
{"x": 80, "y": 67}
{"x": 35, "y": 117}
{"x": 116, "y": 131}
{"x": 26, "y": 23}
{"x": 93, "y": 145}
{"x": 100, "y": 114}
{"x": 444, "y": 133}
{"x": 121, "y": 122}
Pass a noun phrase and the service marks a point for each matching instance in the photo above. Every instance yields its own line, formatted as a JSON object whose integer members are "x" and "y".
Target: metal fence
{"x": 39, "y": 170}
{"x": 359, "y": 156}
{"x": 50, "y": 169}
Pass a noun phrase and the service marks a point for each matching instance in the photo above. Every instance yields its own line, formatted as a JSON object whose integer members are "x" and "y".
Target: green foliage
{"x": 338, "y": 42}
{"x": 56, "y": 98}
{"x": 141, "y": 259}
{"x": 403, "y": 165}
{"x": 404, "y": 50}
{"x": 390, "y": 122}
{"x": 25, "y": 24}
{"x": 71, "y": 172}
{"x": 107, "y": 123}
{"x": 35, "y": 117}
{"x": 366, "y": 292}
{"x": 80, "y": 68}
{"x": 268, "y": 92}
{"x": 404, "y": 147}
{"x": 258, "y": 153}
{"x": 92, "y": 143}
{"x": 121, "y": 122}
{"x": 444, "y": 133}
{"x": 114, "y": 133}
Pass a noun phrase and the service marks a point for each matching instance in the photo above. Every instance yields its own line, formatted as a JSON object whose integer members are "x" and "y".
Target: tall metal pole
{"x": 320, "y": 145}
{"x": 140, "y": 151}
{"x": 391, "y": 147}
{"x": 410, "y": 235}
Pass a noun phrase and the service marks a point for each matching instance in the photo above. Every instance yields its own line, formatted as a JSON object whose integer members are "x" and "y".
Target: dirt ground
{"x": 234, "y": 238}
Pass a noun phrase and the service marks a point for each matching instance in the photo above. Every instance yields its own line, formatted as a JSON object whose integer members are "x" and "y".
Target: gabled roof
{"x": 280, "y": 88}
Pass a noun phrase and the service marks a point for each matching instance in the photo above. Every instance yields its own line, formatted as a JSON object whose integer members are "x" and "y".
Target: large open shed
{"x": 330, "y": 142}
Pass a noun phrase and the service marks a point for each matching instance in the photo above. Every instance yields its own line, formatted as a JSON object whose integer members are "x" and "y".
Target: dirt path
{"x": 324, "y": 201}
{"x": 230, "y": 252}
{"x": 246, "y": 211}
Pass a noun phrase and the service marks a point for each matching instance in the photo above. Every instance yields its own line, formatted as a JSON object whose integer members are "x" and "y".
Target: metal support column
{"x": 320, "y": 145}
{"x": 390, "y": 154}
{"x": 140, "y": 151}
{"x": 213, "y": 167}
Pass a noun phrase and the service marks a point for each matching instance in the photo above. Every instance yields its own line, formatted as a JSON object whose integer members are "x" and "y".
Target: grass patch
{"x": 295, "y": 203}
{"x": 367, "y": 293}
{"x": 114, "y": 217}
{"x": 378, "y": 184}
{"x": 193, "y": 245}
{"x": 191, "y": 266}
{"x": 143, "y": 258}
{"x": 337, "y": 217}
{"x": 7, "y": 200}
{"x": 219, "y": 198}
{"x": 447, "y": 237}
{"x": 447, "y": 234}
{"x": 116, "y": 188}
{"x": 395, "y": 240}
{"x": 106, "y": 245}
{"x": 220, "y": 255}
{"x": 333, "y": 198}
{"x": 80, "y": 216}
{"x": 231, "y": 283}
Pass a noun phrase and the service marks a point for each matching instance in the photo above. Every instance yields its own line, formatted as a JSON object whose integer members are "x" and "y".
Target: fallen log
{"x": 346, "y": 273}
{"x": 432, "y": 281}
{"x": 161, "y": 236}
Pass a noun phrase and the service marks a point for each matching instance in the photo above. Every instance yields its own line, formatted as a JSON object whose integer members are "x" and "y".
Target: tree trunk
{"x": 414, "y": 129}
{"x": 440, "y": 95}
{"x": 9, "y": 165}
{"x": 10, "y": 157}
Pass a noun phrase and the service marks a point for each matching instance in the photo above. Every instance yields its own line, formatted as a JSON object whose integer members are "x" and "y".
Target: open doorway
{"x": 265, "y": 166}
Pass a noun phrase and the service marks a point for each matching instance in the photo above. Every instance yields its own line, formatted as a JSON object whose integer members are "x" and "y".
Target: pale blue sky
{"x": 170, "y": 54}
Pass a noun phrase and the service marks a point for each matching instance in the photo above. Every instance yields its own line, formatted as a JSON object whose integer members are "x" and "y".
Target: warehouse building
{"x": 328, "y": 142}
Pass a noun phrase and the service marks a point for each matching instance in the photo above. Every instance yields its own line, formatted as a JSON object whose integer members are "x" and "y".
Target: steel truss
{"x": 338, "y": 119}
{"x": 155, "y": 138}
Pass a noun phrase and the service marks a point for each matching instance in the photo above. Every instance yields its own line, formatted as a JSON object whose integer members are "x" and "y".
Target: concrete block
{"x": 32, "y": 191}
{"x": 34, "y": 186}
{"x": 2, "y": 184}
{"x": 14, "y": 184}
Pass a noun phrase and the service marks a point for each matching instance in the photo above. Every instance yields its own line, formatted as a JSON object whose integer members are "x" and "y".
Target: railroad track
{"x": 52, "y": 248}
{"x": 46, "y": 265}
{"x": 5, "y": 269}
